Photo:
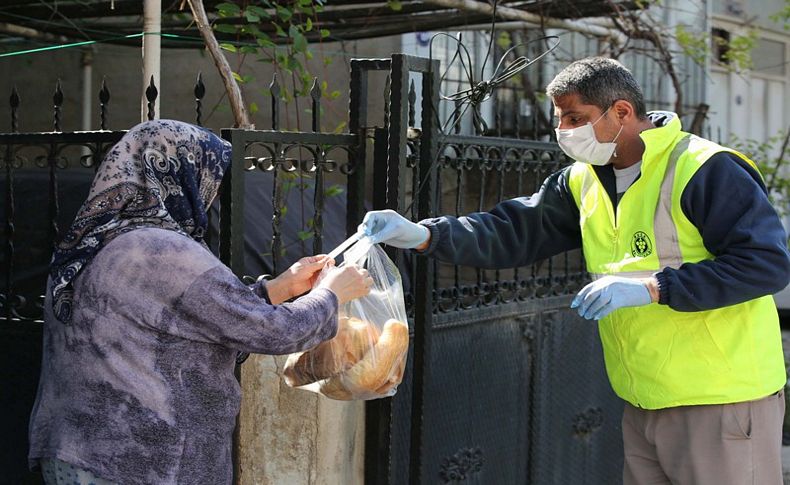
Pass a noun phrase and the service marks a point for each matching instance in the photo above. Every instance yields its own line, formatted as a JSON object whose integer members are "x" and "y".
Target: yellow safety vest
{"x": 657, "y": 357}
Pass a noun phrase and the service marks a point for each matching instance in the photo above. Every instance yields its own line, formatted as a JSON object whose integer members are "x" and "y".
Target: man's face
{"x": 570, "y": 112}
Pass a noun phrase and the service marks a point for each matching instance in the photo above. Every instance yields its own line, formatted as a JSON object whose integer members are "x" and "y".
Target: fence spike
{"x": 200, "y": 91}
{"x": 274, "y": 89}
{"x": 104, "y": 99}
{"x": 14, "y": 101}
{"x": 150, "y": 94}
{"x": 57, "y": 101}
{"x": 315, "y": 94}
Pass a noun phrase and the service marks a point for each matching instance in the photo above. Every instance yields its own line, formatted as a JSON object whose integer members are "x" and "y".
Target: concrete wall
{"x": 35, "y": 76}
{"x": 291, "y": 436}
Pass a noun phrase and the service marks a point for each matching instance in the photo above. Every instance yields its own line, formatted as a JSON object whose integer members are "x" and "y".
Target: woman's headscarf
{"x": 161, "y": 174}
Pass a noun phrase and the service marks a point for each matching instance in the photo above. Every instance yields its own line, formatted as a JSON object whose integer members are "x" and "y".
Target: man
{"x": 684, "y": 249}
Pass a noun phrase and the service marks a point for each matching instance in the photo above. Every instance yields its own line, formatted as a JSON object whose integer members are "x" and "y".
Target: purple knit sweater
{"x": 139, "y": 388}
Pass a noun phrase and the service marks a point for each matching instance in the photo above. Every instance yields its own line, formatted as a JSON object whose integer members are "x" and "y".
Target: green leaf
{"x": 265, "y": 42}
{"x": 251, "y": 17}
{"x": 395, "y": 5}
{"x": 308, "y": 26}
{"x": 334, "y": 94}
{"x": 228, "y": 47}
{"x": 327, "y": 61}
{"x": 280, "y": 31}
{"x": 340, "y": 127}
{"x": 253, "y": 107}
{"x": 300, "y": 42}
{"x": 284, "y": 13}
{"x": 227, "y": 9}
{"x": 333, "y": 190}
{"x": 226, "y": 28}
{"x": 248, "y": 49}
{"x": 283, "y": 211}
{"x": 260, "y": 12}
{"x": 324, "y": 33}
{"x": 237, "y": 77}
{"x": 304, "y": 235}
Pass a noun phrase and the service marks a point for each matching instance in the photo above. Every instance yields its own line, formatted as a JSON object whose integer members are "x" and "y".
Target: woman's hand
{"x": 347, "y": 282}
{"x": 298, "y": 279}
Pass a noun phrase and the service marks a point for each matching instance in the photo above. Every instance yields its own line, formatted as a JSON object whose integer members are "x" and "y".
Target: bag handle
{"x": 346, "y": 244}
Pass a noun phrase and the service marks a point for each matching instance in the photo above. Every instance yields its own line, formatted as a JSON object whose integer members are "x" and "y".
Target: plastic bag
{"x": 367, "y": 357}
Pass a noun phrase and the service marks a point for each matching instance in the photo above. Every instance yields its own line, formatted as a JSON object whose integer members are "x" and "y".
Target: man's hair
{"x": 599, "y": 81}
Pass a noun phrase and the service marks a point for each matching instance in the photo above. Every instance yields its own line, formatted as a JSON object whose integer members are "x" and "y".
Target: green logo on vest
{"x": 641, "y": 245}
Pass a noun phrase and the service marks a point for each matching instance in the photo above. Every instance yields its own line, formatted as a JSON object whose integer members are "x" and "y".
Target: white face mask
{"x": 580, "y": 144}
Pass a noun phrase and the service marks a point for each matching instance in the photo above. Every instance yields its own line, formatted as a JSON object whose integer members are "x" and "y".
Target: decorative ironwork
{"x": 42, "y": 156}
{"x": 461, "y": 465}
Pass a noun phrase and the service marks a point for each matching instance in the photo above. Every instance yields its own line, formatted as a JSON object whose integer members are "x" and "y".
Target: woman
{"x": 143, "y": 324}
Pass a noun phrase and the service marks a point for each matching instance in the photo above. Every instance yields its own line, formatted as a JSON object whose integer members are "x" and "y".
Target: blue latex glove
{"x": 391, "y": 228}
{"x": 609, "y": 293}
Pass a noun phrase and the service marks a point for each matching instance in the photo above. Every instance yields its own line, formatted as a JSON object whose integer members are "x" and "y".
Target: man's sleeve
{"x": 726, "y": 200}
{"x": 515, "y": 233}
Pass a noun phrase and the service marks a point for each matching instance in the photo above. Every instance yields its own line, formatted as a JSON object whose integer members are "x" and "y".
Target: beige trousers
{"x": 726, "y": 444}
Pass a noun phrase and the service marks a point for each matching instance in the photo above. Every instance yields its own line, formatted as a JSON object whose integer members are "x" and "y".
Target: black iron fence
{"x": 503, "y": 384}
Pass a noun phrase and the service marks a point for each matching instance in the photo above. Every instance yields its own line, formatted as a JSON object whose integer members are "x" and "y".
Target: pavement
{"x": 786, "y": 464}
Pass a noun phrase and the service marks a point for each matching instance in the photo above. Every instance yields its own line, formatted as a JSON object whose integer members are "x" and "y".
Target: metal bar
{"x": 300, "y": 137}
{"x": 509, "y": 143}
{"x": 57, "y": 101}
{"x": 277, "y": 208}
{"x": 318, "y": 189}
{"x": 357, "y": 124}
{"x": 104, "y": 99}
{"x": 10, "y": 229}
{"x": 231, "y": 242}
{"x": 14, "y": 102}
{"x": 423, "y": 289}
{"x": 54, "y": 206}
{"x": 64, "y": 138}
{"x": 399, "y": 112}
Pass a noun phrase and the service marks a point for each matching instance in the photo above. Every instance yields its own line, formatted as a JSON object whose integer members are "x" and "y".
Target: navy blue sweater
{"x": 726, "y": 201}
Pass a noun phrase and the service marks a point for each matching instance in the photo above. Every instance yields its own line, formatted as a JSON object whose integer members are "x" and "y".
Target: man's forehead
{"x": 570, "y": 103}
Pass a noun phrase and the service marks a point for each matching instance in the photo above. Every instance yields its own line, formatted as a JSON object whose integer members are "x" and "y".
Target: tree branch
{"x": 240, "y": 115}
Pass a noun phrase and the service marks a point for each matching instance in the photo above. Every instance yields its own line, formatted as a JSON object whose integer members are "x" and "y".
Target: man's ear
{"x": 624, "y": 110}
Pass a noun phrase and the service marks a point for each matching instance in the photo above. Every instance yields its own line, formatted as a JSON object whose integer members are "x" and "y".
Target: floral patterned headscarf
{"x": 161, "y": 174}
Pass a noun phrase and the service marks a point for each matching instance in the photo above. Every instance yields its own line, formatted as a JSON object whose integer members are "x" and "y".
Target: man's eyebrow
{"x": 566, "y": 114}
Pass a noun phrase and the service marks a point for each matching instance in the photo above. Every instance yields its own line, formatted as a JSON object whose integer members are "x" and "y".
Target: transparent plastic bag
{"x": 367, "y": 357}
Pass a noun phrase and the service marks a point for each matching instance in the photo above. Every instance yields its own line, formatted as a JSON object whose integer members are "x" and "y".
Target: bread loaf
{"x": 379, "y": 370}
{"x": 354, "y": 338}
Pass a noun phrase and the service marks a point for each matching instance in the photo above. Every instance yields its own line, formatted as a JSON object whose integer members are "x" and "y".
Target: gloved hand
{"x": 609, "y": 293}
{"x": 389, "y": 227}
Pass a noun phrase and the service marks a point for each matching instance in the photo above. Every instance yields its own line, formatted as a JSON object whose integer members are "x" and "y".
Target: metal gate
{"x": 505, "y": 384}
